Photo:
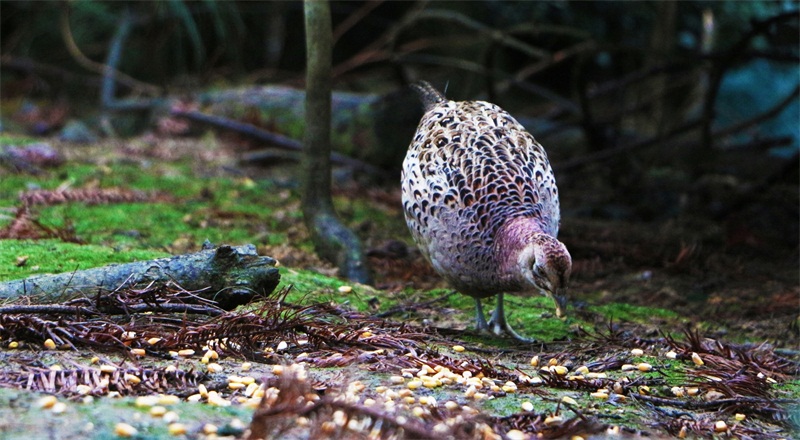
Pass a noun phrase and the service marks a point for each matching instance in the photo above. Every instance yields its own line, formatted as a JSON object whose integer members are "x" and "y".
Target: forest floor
{"x": 681, "y": 327}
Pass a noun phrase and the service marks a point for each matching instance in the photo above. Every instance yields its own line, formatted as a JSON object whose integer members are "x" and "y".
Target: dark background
{"x": 679, "y": 116}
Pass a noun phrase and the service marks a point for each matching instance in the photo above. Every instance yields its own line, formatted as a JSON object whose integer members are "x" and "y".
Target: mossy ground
{"x": 204, "y": 202}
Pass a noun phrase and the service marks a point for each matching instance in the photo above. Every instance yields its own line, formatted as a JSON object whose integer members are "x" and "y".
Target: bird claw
{"x": 503, "y": 329}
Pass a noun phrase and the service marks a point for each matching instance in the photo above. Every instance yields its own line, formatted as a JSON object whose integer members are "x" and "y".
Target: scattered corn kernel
{"x": 458, "y": 348}
{"x": 13, "y": 344}
{"x": 560, "y": 370}
{"x": 209, "y": 428}
{"x": 516, "y": 434}
{"x": 396, "y": 379}
{"x": 59, "y": 408}
{"x": 153, "y": 341}
{"x": 720, "y": 426}
{"x": 583, "y": 369}
{"x": 600, "y": 395}
{"x": 186, "y": 352}
{"x": 47, "y": 402}
{"x": 535, "y": 361}
{"x": 678, "y": 391}
{"x": 94, "y": 360}
{"x": 125, "y": 430}
{"x": 246, "y": 366}
{"x": 637, "y": 352}
{"x": 217, "y": 400}
{"x": 414, "y": 384}
{"x": 628, "y": 367}
{"x": 282, "y": 346}
{"x": 596, "y": 375}
{"x": 450, "y": 405}
{"x": 194, "y": 398}
{"x": 644, "y": 366}
{"x": 83, "y": 389}
{"x": 176, "y": 429}
{"x": 739, "y": 416}
{"x": 132, "y": 379}
{"x": 158, "y": 411}
{"x": 671, "y": 355}
{"x": 168, "y": 399}
{"x": 202, "y": 390}
{"x": 128, "y": 335}
{"x": 345, "y": 289}
{"x": 277, "y": 370}
{"x": 214, "y": 367}
{"x": 56, "y": 367}
{"x": 527, "y": 406}
{"x": 569, "y": 400}
{"x": 682, "y": 433}
{"x": 146, "y": 401}
{"x": 106, "y": 368}
{"x": 553, "y": 420}
{"x": 236, "y": 385}
{"x": 552, "y": 362}
{"x": 170, "y": 417}
{"x": 693, "y": 391}
{"x": 49, "y": 344}
{"x": 432, "y": 383}
{"x": 697, "y": 359}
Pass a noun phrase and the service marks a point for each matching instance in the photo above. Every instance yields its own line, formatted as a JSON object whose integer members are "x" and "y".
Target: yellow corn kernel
{"x": 176, "y": 429}
{"x": 125, "y": 430}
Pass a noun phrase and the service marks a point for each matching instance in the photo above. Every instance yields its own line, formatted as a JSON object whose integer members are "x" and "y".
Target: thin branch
{"x": 275, "y": 139}
{"x": 612, "y": 152}
{"x": 86, "y": 63}
{"x": 771, "y": 113}
{"x": 353, "y": 19}
{"x": 46, "y": 309}
{"x": 497, "y": 35}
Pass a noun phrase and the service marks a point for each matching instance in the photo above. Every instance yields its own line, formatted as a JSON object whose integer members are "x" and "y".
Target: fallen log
{"x": 229, "y": 276}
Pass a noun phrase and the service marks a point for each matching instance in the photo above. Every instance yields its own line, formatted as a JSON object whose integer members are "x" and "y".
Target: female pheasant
{"x": 481, "y": 202}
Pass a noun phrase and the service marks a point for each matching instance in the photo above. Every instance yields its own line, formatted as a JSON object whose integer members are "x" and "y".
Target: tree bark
{"x": 332, "y": 240}
{"x": 230, "y": 276}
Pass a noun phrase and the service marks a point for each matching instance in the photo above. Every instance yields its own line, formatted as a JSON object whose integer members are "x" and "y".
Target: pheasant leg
{"x": 480, "y": 320}
{"x": 499, "y": 324}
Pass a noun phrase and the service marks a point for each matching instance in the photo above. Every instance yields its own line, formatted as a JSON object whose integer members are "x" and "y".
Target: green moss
{"x": 53, "y": 256}
{"x": 13, "y": 139}
{"x": 632, "y": 313}
{"x": 309, "y": 286}
{"x": 512, "y": 404}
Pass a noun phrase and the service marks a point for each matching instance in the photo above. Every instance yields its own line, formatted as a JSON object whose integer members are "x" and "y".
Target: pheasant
{"x": 481, "y": 202}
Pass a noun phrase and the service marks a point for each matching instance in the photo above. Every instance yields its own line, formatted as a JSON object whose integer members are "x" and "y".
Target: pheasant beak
{"x": 560, "y": 298}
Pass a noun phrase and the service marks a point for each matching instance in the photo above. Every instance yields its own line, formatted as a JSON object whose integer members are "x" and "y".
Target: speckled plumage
{"x": 481, "y": 202}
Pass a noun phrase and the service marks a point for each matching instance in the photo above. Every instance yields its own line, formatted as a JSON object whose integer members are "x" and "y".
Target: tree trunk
{"x": 331, "y": 239}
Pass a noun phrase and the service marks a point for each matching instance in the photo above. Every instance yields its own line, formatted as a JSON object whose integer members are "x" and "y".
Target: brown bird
{"x": 481, "y": 202}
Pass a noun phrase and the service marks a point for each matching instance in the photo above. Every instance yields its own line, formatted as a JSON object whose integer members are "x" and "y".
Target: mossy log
{"x": 372, "y": 128}
{"x": 230, "y": 276}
